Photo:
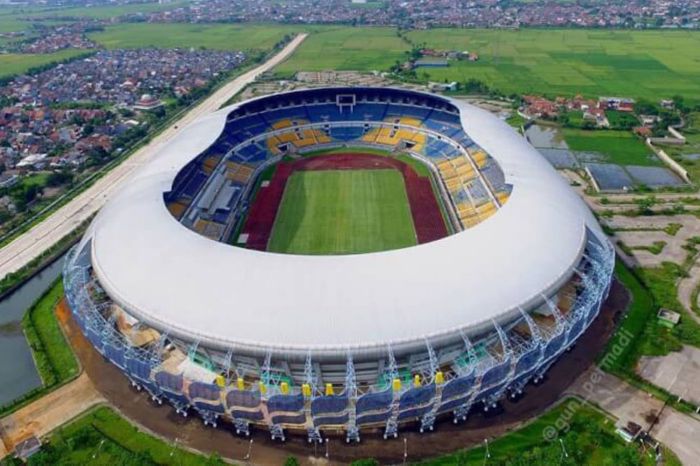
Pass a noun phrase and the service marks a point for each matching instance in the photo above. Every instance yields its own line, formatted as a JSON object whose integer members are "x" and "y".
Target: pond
{"x": 18, "y": 374}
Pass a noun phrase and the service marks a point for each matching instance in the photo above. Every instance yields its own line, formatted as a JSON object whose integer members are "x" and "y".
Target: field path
{"x": 49, "y": 412}
{"x": 686, "y": 286}
{"x": 43, "y": 235}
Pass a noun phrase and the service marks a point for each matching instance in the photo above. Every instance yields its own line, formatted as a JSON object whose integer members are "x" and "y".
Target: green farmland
{"x": 218, "y": 37}
{"x": 19, "y": 18}
{"x": 346, "y": 48}
{"x": 620, "y": 147}
{"x": 650, "y": 64}
{"x": 343, "y": 212}
{"x": 13, "y": 63}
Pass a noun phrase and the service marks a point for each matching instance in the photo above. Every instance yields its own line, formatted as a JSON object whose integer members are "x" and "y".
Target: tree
{"x": 291, "y": 461}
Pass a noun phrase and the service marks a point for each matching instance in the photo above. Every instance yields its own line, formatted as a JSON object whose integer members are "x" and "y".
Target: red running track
{"x": 425, "y": 210}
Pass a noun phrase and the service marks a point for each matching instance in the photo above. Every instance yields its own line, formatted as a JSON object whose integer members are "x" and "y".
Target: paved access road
{"x": 46, "y": 233}
{"x": 676, "y": 430}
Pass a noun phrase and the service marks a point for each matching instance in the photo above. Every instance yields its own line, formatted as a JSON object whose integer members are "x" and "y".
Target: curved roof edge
{"x": 223, "y": 297}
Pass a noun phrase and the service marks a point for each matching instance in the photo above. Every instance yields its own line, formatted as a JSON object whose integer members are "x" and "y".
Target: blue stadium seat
{"x": 326, "y": 112}
{"x": 419, "y": 113}
{"x": 346, "y": 134}
{"x": 494, "y": 176}
{"x": 478, "y": 191}
{"x": 367, "y": 112}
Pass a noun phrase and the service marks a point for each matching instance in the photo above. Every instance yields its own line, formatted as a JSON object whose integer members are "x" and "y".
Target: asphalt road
{"x": 46, "y": 233}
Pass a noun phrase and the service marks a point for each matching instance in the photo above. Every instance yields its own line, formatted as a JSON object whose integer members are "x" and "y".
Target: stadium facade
{"x": 339, "y": 342}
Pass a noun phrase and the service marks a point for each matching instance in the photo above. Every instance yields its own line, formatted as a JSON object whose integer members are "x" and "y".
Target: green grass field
{"x": 589, "y": 439}
{"x": 13, "y": 63}
{"x": 217, "y": 37}
{"x": 345, "y": 48}
{"x": 651, "y": 64}
{"x": 19, "y": 18}
{"x": 55, "y": 360}
{"x": 621, "y": 147}
{"x": 343, "y": 212}
{"x": 103, "y": 437}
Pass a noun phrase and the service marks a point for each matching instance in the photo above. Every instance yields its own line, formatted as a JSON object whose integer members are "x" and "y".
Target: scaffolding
{"x": 511, "y": 356}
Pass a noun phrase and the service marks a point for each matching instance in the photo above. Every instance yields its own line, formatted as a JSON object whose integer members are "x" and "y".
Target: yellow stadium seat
{"x": 177, "y": 208}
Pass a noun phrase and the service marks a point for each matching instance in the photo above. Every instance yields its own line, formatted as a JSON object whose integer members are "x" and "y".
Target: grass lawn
{"x": 343, "y": 212}
{"x": 346, "y": 48}
{"x": 620, "y": 147}
{"x": 588, "y": 437}
{"x": 102, "y": 437}
{"x": 650, "y": 64}
{"x": 55, "y": 360}
{"x": 218, "y": 37}
{"x": 15, "y": 63}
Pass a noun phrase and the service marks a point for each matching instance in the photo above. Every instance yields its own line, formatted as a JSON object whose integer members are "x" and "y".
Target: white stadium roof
{"x": 225, "y": 296}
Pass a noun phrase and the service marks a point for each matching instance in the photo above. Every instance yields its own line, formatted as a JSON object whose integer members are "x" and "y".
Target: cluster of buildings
{"x": 292, "y": 11}
{"x": 61, "y": 117}
{"x": 420, "y": 14}
{"x": 121, "y": 77}
{"x": 57, "y": 38}
{"x": 591, "y": 110}
{"x": 431, "y": 13}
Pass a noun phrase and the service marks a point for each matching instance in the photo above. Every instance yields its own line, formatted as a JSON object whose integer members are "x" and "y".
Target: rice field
{"x": 649, "y": 64}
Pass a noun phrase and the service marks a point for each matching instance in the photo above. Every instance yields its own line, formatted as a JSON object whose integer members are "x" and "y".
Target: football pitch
{"x": 343, "y": 212}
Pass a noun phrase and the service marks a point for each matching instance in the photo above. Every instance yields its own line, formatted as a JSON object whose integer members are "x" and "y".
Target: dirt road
{"x": 165, "y": 423}
{"x": 49, "y": 412}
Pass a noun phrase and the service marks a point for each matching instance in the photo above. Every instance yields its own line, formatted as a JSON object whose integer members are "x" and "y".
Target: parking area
{"x": 676, "y": 372}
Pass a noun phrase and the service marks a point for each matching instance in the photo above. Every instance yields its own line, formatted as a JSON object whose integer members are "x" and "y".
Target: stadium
{"x": 340, "y": 260}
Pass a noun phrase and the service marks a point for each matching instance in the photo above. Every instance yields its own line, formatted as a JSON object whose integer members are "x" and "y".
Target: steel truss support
{"x": 271, "y": 382}
{"x": 537, "y": 341}
{"x": 312, "y": 432}
{"x": 461, "y": 412}
{"x": 242, "y": 426}
{"x": 508, "y": 355}
{"x": 352, "y": 433}
{"x": 392, "y": 425}
{"x": 427, "y": 422}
